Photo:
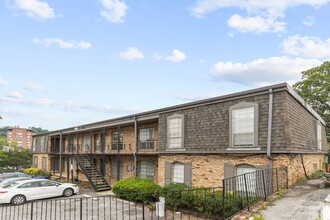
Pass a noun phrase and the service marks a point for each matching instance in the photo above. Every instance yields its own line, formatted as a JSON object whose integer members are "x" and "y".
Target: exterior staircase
{"x": 96, "y": 179}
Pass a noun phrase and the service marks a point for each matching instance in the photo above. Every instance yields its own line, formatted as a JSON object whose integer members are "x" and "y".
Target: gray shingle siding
{"x": 207, "y": 126}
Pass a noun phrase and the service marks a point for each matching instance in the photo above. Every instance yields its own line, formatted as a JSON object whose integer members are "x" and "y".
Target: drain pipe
{"x": 270, "y": 122}
{"x": 136, "y": 146}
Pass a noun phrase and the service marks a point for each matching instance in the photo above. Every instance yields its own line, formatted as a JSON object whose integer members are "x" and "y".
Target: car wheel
{"x": 18, "y": 199}
{"x": 68, "y": 192}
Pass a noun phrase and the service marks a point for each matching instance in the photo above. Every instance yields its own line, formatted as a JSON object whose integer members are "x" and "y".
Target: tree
{"x": 15, "y": 160}
{"x": 315, "y": 90}
{"x": 38, "y": 130}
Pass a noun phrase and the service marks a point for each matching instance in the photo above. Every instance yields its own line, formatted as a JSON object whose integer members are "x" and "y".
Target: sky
{"x": 66, "y": 63}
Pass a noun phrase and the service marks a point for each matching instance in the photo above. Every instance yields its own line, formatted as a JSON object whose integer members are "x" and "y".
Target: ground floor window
{"x": 44, "y": 163}
{"x": 146, "y": 169}
{"x": 178, "y": 172}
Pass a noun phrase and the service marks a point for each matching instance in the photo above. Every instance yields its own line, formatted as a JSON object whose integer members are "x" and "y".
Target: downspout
{"x": 136, "y": 145}
{"x": 270, "y": 122}
{"x": 60, "y": 164}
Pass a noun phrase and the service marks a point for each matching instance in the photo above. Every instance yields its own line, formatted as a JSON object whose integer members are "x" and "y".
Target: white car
{"x": 27, "y": 190}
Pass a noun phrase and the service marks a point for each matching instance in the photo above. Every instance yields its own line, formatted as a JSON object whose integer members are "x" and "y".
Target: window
{"x": 146, "y": 169}
{"x": 175, "y": 131}
{"x": 35, "y": 162}
{"x": 48, "y": 183}
{"x": 43, "y": 142}
{"x": 44, "y": 162}
{"x": 319, "y": 135}
{"x": 249, "y": 182}
{"x": 178, "y": 173}
{"x": 86, "y": 141}
{"x": 243, "y": 125}
{"x": 146, "y": 137}
{"x": 30, "y": 185}
{"x": 117, "y": 141}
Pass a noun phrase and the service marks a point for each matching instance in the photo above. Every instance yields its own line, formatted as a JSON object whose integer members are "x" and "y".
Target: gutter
{"x": 270, "y": 122}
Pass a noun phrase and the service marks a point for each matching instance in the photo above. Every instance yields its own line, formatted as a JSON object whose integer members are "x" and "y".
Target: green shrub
{"x": 37, "y": 172}
{"x": 173, "y": 194}
{"x": 136, "y": 189}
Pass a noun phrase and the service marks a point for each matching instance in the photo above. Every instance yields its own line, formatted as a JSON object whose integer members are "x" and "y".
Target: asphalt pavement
{"x": 304, "y": 201}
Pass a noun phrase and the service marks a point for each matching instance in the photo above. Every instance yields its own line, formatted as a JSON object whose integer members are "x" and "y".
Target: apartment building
{"x": 21, "y": 136}
{"x": 197, "y": 143}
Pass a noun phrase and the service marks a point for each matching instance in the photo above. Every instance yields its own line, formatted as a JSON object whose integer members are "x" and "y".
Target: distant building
{"x": 21, "y": 136}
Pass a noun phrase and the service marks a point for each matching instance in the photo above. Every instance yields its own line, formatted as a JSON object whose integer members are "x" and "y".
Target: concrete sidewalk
{"x": 304, "y": 201}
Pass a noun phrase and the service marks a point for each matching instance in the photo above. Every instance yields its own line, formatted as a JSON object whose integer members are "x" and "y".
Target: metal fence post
{"x": 276, "y": 172}
{"x": 264, "y": 184}
{"x": 31, "y": 214}
{"x": 246, "y": 192}
{"x": 223, "y": 199}
{"x": 142, "y": 206}
{"x": 287, "y": 177}
{"x": 80, "y": 208}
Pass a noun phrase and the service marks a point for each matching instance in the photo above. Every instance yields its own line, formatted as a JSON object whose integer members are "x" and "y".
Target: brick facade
{"x": 208, "y": 170}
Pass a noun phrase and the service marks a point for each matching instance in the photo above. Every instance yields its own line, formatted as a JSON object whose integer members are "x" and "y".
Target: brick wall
{"x": 208, "y": 170}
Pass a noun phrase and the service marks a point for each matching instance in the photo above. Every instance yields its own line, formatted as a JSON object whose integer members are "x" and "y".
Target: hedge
{"x": 136, "y": 189}
{"x": 36, "y": 172}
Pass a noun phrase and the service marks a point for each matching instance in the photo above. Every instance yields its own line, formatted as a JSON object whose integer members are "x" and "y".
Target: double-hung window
{"x": 175, "y": 130}
{"x": 178, "y": 172}
{"x": 244, "y": 125}
{"x": 117, "y": 141}
{"x": 146, "y": 138}
{"x": 86, "y": 141}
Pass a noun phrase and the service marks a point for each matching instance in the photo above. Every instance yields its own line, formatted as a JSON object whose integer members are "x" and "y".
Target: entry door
{"x": 116, "y": 169}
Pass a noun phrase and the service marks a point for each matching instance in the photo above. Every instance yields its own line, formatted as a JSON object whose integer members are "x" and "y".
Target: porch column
{"x": 60, "y": 163}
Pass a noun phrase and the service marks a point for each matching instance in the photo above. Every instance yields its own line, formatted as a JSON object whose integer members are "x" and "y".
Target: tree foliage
{"x": 315, "y": 90}
{"x": 16, "y": 160}
{"x": 38, "y": 130}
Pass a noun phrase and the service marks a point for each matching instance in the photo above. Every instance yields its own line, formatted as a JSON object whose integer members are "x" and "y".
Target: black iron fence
{"x": 236, "y": 194}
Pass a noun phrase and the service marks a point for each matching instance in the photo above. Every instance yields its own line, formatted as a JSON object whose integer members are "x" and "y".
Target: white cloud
{"x": 36, "y": 9}
{"x": 202, "y": 7}
{"x": 309, "y": 21}
{"x": 132, "y": 53}
{"x": 3, "y": 83}
{"x": 33, "y": 87}
{"x": 307, "y": 46}
{"x": 114, "y": 10}
{"x": 15, "y": 95}
{"x": 176, "y": 56}
{"x": 71, "y": 106}
{"x": 194, "y": 97}
{"x": 263, "y": 71}
{"x": 264, "y": 13}
{"x": 256, "y": 24}
{"x": 43, "y": 102}
{"x": 47, "y": 42}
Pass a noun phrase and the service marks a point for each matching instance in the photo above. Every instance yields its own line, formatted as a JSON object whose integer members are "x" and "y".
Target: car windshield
{"x": 8, "y": 185}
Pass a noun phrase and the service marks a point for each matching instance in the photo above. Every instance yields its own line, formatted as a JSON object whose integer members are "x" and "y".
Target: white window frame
{"x": 175, "y": 134}
{"x": 232, "y": 110}
{"x": 178, "y": 172}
